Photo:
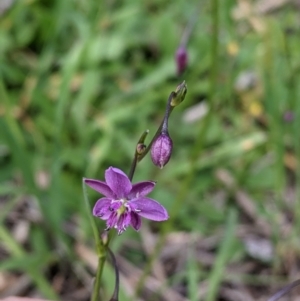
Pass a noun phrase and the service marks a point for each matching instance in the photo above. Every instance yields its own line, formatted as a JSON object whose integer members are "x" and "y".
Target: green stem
{"x": 189, "y": 29}
{"x": 133, "y": 166}
{"x": 96, "y": 288}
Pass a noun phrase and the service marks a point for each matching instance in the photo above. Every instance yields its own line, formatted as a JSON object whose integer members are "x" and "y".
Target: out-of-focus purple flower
{"x": 181, "y": 59}
{"x": 161, "y": 150}
{"x": 288, "y": 116}
{"x": 125, "y": 203}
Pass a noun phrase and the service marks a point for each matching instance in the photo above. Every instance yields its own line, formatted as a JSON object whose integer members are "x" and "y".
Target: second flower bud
{"x": 161, "y": 150}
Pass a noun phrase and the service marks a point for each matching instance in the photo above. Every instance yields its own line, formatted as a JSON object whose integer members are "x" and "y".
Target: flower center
{"x": 123, "y": 208}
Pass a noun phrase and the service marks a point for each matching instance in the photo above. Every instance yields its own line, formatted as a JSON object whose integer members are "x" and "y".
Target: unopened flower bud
{"x": 179, "y": 95}
{"x": 140, "y": 148}
{"x": 161, "y": 150}
{"x": 181, "y": 60}
{"x": 104, "y": 238}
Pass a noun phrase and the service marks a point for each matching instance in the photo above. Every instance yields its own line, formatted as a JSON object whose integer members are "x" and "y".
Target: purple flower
{"x": 125, "y": 203}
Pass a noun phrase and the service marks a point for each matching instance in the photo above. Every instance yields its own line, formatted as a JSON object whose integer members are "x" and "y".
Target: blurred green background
{"x": 80, "y": 80}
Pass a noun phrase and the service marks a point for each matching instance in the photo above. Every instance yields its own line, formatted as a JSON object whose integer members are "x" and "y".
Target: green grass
{"x": 79, "y": 83}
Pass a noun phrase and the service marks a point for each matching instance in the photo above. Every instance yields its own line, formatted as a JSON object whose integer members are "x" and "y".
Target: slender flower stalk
{"x": 115, "y": 296}
{"x": 97, "y": 283}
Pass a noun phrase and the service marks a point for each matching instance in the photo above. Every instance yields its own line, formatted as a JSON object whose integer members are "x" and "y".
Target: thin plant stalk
{"x": 117, "y": 281}
{"x": 285, "y": 290}
{"x": 97, "y": 283}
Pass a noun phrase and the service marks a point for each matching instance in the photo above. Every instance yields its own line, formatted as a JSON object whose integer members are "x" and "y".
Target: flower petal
{"x": 100, "y": 186}
{"x": 141, "y": 189}
{"x": 118, "y": 182}
{"x": 112, "y": 221}
{"x": 115, "y": 205}
{"x": 135, "y": 221}
{"x": 102, "y": 208}
{"x": 149, "y": 208}
{"x": 123, "y": 222}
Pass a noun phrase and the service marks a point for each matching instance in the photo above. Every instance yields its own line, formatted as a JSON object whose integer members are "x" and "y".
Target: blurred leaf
{"x": 224, "y": 255}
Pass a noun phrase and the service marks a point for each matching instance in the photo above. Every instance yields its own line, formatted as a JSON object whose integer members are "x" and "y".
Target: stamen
{"x": 137, "y": 210}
